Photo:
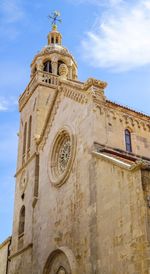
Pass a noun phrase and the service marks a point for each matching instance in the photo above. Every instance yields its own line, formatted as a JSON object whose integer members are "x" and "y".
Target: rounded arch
{"x": 129, "y": 128}
{"x": 60, "y": 261}
{"x": 47, "y": 66}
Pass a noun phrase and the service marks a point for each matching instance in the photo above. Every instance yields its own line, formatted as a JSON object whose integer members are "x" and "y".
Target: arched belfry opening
{"x": 57, "y": 40}
{"x": 52, "y": 40}
{"x": 48, "y": 66}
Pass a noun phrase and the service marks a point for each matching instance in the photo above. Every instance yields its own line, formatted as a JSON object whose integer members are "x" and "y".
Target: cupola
{"x": 54, "y": 37}
{"x": 54, "y": 58}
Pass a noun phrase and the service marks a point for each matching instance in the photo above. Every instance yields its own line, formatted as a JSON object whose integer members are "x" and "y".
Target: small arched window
{"x": 56, "y": 40}
{"x": 52, "y": 40}
{"x": 21, "y": 221}
{"x": 48, "y": 66}
{"x": 24, "y": 140}
{"x": 59, "y": 63}
{"x": 29, "y": 133}
{"x": 128, "y": 140}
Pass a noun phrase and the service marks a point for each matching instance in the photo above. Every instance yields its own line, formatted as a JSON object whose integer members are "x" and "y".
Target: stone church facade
{"x": 82, "y": 201}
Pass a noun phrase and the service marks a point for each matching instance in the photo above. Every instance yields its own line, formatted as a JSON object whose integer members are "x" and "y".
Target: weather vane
{"x": 54, "y": 18}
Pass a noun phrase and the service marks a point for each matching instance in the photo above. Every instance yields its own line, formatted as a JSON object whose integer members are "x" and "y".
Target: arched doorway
{"x": 61, "y": 261}
{"x": 57, "y": 263}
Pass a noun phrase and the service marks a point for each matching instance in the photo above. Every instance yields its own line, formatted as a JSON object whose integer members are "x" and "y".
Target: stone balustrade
{"x": 48, "y": 78}
{"x": 40, "y": 77}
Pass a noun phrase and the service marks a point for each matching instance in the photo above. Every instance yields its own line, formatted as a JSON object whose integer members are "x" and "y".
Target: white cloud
{"x": 7, "y": 104}
{"x": 122, "y": 39}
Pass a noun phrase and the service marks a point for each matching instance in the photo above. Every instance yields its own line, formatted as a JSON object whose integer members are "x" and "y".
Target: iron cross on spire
{"x": 54, "y": 18}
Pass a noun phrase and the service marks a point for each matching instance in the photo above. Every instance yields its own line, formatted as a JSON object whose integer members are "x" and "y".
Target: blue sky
{"x": 110, "y": 39}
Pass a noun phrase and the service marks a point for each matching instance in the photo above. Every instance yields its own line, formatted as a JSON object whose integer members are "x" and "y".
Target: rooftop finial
{"x": 54, "y": 18}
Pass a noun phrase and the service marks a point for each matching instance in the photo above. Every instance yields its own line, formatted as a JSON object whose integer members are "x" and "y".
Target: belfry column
{"x": 54, "y": 65}
{"x": 70, "y": 72}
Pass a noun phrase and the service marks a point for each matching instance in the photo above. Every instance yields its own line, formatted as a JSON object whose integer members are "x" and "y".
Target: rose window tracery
{"x": 64, "y": 155}
{"x": 61, "y": 157}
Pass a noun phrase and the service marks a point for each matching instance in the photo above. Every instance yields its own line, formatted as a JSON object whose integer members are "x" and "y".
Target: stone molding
{"x": 8, "y": 240}
{"x": 25, "y": 164}
{"x": 75, "y": 95}
{"x": 50, "y": 118}
{"x": 57, "y": 176}
{"x": 69, "y": 255}
{"x": 122, "y": 115}
{"x": 94, "y": 82}
{"x": 20, "y": 251}
{"x": 134, "y": 167}
{"x": 127, "y": 109}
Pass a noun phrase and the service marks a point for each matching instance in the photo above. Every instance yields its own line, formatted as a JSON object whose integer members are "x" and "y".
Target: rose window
{"x": 61, "y": 157}
{"x": 64, "y": 155}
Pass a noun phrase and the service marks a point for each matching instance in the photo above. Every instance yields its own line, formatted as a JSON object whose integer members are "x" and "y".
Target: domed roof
{"x": 55, "y": 54}
{"x": 54, "y": 46}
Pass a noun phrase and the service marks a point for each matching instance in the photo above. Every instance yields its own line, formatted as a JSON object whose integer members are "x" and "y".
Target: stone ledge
{"x": 20, "y": 251}
{"x": 25, "y": 164}
{"x": 5, "y": 242}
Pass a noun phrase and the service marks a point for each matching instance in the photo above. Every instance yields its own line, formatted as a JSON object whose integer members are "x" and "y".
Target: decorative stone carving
{"x": 63, "y": 71}
{"x": 75, "y": 95}
{"x": 61, "y": 157}
{"x": 94, "y": 82}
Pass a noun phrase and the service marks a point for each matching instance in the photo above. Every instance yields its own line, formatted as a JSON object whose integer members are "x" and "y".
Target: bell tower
{"x": 54, "y": 58}
{"x": 50, "y": 66}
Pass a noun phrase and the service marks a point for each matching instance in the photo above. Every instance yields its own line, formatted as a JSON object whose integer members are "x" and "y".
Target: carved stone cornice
{"x": 75, "y": 95}
{"x": 98, "y": 84}
{"x": 128, "y": 111}
{"x": 125, "y": 116}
